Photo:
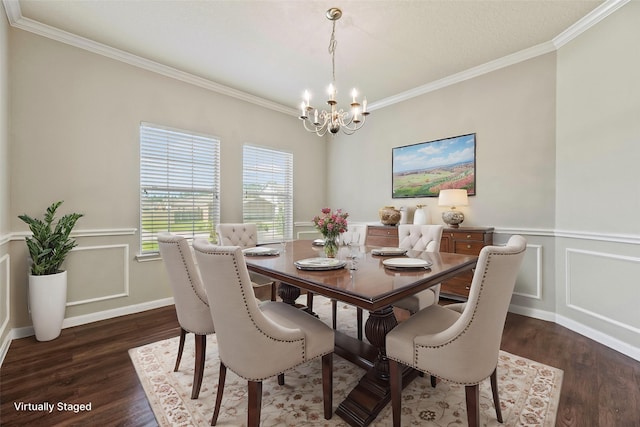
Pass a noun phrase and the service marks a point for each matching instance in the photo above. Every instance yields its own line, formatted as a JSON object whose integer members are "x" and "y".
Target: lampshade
{"x": 453, "y": 198}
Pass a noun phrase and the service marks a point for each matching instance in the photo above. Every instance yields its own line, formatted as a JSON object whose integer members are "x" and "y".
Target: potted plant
{"x": 48, "y": 247}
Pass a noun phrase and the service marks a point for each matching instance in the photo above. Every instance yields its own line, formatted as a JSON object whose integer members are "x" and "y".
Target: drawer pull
{"x": 468, "y": 236}
{"x": 468, "y": 246}
{"x": 467, "y": 287}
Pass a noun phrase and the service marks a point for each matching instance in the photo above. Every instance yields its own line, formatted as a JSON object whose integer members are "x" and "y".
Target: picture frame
{"x": 423, "y": 169}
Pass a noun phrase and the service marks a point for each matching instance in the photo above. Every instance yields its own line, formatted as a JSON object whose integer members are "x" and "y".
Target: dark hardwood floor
{"x": 90, "y": 364}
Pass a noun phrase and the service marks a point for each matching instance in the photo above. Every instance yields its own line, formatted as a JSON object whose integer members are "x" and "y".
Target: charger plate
{"x": 388, "y": 251}
{"x": 261, "y": 251}
{"x": 320, "y": 264}
{"x": 404, "y": 263}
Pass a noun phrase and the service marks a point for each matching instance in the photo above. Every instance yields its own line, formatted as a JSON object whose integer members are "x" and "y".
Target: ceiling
{"x": 274, "y": 50}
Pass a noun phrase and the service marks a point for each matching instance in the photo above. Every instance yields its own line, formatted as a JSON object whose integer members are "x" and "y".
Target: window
{"x": 267, "y": 183}
{"x": 179, "y": 184}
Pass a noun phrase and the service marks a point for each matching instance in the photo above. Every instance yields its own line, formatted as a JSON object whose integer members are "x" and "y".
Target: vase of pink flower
{"x": 330, "y": 224}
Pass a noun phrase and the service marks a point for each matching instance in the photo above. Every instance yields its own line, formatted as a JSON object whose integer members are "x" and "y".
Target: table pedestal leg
{"x": 371, "y": 395}
{"x": 288, "y": 293}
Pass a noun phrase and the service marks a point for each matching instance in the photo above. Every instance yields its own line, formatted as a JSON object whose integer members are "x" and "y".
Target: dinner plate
{"x": 400, "y": 263}
{"x": 318, "y": 242}
{"x": 261, "y": 251}
{"x": 320, "y": 264}
{"x": 388, "y": 251}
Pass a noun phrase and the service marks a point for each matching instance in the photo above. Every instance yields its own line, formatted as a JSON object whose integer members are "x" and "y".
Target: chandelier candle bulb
{"x": 354, "y": 94}
{"x": 364, "y": 106}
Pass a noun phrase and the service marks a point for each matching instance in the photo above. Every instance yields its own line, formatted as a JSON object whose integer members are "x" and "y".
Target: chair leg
{"x": 183, "y": 335}
{"x": 473, "y": 405}
{"x": 496, "y": 397}
{"x": 310, "y": 302}
{"x": 274, "y": 290}
{"x": 434, "y": 381}
{"x": 198, "y": 372}
{"x": 255, "y": 403}
{"x": 221, "y": 377}
{"x": 395, "y": 385}
{"x": 280, "y": 379}
{"x": 327, "y": 385}
{"x": 334, "y": 313}
{"x": 359, "y": 322}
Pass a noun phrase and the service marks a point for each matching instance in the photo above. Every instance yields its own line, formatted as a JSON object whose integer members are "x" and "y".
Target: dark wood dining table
{"x": 365, "y": 283}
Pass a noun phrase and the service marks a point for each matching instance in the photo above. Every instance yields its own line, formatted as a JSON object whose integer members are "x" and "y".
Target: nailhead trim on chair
{"x": 415, "y": 363}
{"x": 184, "y": 262}
{"x": 244, "y": 297}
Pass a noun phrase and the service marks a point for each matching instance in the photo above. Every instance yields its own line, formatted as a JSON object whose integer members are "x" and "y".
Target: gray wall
{"x": 556, "y": 136}
{"x": 558, "y": 139}
{"x": 598, "y": 190}
{"x": 75, "y": 121}
{"x": 4, "y": 182}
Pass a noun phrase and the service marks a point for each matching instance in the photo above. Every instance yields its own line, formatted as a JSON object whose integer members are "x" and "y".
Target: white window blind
{"x": 267, "y": 182}
{"x": 179, "y": 184}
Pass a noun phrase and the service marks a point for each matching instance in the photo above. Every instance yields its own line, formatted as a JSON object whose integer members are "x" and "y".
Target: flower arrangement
{"x": 330, "y": 225}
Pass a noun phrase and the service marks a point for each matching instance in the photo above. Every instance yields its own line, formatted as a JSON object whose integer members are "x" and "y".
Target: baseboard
{"x": 27, "y": 331}
{"x": 604, "y": 339}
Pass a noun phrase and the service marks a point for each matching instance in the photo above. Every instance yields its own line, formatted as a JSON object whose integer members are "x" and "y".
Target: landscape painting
{"x": 422, "y": 170}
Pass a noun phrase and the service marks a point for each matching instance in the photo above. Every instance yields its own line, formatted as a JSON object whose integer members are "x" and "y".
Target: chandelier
{"x": 336, "y": 119}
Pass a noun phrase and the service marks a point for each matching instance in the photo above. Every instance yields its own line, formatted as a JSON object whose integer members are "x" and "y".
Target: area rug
{"x": 529, "y": 391}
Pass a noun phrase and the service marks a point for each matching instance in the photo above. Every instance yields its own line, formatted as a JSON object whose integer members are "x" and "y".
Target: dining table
{"x": 371, "y": 279}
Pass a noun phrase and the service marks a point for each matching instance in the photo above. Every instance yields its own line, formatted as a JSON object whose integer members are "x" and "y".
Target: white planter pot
{"x": 47, "y": 304}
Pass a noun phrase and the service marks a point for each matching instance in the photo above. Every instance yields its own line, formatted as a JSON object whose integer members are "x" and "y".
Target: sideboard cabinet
{"x": 463, "y": 240}
{"x": 466, "y": 241}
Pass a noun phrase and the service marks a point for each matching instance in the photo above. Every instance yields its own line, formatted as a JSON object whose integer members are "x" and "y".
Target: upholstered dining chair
{"x": 420, "y": 238}
{"x": 245, "y": 235}
{"x": 258, "y": 342}
{"x": 190, "y": 299}
{"x": 460, "y": 343}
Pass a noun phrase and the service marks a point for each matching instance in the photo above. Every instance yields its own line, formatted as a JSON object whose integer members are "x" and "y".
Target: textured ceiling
{"x": 277, "y": 49}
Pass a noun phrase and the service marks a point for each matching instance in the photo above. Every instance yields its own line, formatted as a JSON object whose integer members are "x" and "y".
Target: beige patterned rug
{"x": 529, "y": 391}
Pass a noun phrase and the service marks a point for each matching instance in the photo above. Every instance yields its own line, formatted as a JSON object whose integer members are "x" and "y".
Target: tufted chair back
{"x": 356, "y": 234}
{"x": 244, "y": 235}
{"x": 190, "y": 298}
{"x": 420, "y": 237}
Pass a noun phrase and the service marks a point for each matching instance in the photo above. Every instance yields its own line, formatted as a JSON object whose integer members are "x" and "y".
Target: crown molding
{"x": 14, "y": 15}
{"x": 468, "y": 74}
{"x": 18, "y": 21}
{"x": 588, "y": 21}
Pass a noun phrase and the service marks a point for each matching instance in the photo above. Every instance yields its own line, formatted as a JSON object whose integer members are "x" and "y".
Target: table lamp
{"x": 453, "y": 198}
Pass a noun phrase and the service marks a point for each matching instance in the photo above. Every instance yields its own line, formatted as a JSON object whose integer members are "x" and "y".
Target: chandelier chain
{"x": 332, "y": 50}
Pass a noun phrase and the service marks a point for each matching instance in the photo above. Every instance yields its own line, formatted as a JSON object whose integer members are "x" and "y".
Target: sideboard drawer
{"x": 382, "y": 235}
{"x": 466, "y": 235}
{"x": 467, "y": 247}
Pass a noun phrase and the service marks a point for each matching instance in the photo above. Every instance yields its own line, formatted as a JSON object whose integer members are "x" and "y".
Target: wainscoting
{"x": 582, "y": 281}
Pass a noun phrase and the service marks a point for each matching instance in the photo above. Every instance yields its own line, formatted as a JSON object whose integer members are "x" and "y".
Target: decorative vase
{"x": 330, "y": 246}
{"x": 421, "y": 215}
{"x": 389, "y": 215}
{"x": 47, "y": 304}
